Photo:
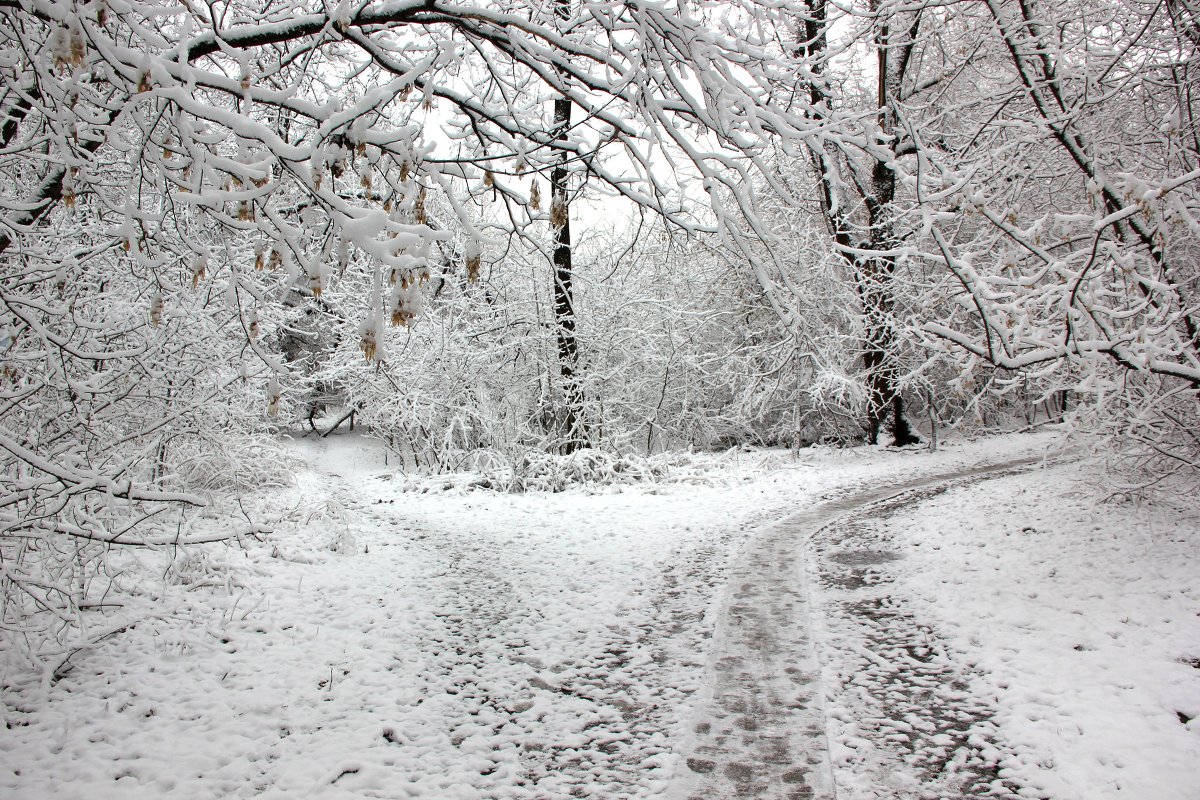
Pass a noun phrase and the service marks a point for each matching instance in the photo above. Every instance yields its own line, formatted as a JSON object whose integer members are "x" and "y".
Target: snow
{"x": 1082, "y": 620}
{"x": 396, "y": 637}
{"x": 1057, "y": 630}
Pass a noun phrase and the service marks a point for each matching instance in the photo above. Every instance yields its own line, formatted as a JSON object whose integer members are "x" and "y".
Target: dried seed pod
{"x": 419, "y": 214}
{"x": 199, "y": 270}
{"x": 535, "y": 197}
{"x": 68, "y": 187}
{"x": 156, "y": 308}
{"x": 274, "y": 395}
{"x": 343, "y": 255}
{"x": 473, "y": 264}
{"x": 369, "y": 345}
{"x": 489, "y": 179}
{"x": 558, "y": 213}
{"x": 78, "y": 47}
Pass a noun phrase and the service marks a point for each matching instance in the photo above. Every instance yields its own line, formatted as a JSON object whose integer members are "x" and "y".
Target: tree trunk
{"x": 574, "y": 427}
{"x": 873, "y": 273}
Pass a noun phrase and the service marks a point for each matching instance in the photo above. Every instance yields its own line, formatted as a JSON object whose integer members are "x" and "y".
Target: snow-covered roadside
{"x": 1013, "y": 636}
{"x": 385, "y": 642}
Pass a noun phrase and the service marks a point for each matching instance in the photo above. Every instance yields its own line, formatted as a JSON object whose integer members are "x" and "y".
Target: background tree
{"x": 983, "y": 172}
{"x": 1063, "y": 204}
{"x": 858, "y": 189}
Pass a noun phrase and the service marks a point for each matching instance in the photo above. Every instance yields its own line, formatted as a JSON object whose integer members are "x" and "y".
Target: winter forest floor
{"x": 863, "y": 623}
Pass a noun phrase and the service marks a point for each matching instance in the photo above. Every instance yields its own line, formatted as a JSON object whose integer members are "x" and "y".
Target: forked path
{"x": 759, "y": 730}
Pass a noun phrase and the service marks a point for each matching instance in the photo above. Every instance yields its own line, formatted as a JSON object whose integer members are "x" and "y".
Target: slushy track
{"x": 759, "y": 731}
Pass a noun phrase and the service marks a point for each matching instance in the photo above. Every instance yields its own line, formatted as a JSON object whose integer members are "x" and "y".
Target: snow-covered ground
{"x": 398, "y": 638}
{"x": 1014, "y": 636}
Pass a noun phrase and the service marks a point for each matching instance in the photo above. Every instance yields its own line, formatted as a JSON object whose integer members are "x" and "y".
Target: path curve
{"x": 759, "y": 729}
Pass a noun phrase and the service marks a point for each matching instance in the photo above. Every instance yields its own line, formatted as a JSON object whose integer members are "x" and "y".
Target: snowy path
{"x": 488, "y": 682}
{"x": 396, "y": 639}
{"x": 504, "y": 648}
{"x": 761, "y": 730}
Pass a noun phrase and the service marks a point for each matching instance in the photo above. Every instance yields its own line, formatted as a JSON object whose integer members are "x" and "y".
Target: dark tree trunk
{"x": 874, "y": 273}
{"x": 574, "y": 427}
{"x": 879, "y": 357}
{"x": 877, "y": 274}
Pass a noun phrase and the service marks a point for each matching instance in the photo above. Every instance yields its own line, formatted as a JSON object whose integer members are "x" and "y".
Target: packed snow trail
{"x": 901, "y": 714}
{"x": 760, "y": 729}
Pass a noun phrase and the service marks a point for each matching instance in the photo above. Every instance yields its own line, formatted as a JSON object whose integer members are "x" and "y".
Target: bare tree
{"x": 1064, "y": 204}
{"x": 858, "y": 191}
{"x": 574, "y": 424}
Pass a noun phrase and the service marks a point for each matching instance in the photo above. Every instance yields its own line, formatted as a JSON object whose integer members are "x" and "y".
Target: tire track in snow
{"x": 907, "y": 724}
{"x": 760, "y": 728}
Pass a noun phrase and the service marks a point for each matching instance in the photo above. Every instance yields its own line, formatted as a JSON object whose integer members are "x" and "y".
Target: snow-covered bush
{"x": 598, "y": 471}
{"x": 235, "y": 463}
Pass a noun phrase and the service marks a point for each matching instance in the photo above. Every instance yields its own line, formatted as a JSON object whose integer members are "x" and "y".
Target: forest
{"x": 504, "y": 236}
